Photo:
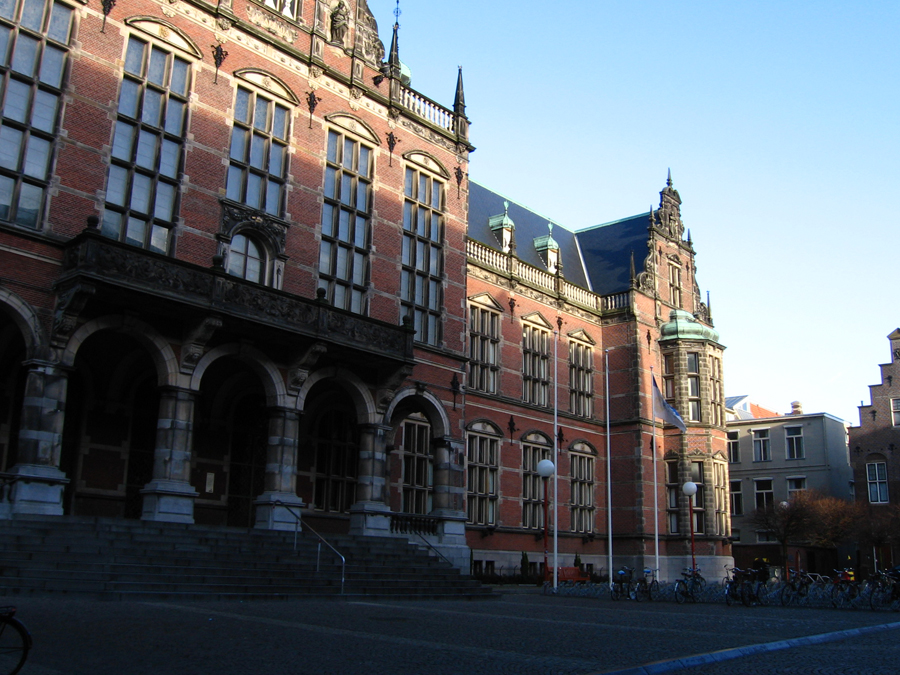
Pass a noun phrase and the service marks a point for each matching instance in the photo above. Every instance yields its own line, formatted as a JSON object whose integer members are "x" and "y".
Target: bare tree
{"x": 788, "y": 522}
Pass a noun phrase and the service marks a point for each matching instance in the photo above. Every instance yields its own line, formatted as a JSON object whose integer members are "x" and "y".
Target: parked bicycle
{"x": 623, "y": 586}
{"x": 800, "y": 586}
{"x": 755, "y": 586}
{"x": 884, "y": 590}
{"x": 690, "y": 586}
{"x": 15, "y": 641}
{"x": 734, "y": 578}
{"x": 844, "y": 589}
{"x": 647, "y": 587}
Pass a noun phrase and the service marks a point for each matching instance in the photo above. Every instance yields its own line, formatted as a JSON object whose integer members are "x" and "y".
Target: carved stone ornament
{"x": 367, "y": 42}
{"x": 69, "y": 304}
{"x": 355, "y": 95}
{"x": 273, "y": 25}
{"x": 237, "y": 216}
{"x": 224, "y": 23}
{"x": 195, "y": 342}
{"x": 388, "y": 387}
{"x": 299, "y": 369}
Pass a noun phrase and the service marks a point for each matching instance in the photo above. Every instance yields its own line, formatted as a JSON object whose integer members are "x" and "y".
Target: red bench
{"x": 572, "y": 574}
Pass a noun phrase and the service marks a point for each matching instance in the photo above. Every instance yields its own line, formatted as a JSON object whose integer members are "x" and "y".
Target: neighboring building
{"x": 875, "y": 454}
{"x": 770, "y": 458}
{"x": 245, "y": 279}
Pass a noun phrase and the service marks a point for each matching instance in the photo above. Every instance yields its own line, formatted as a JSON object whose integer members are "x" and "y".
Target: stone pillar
{"x": 278, "y": 506}
{"x": 450, "y": 500}
{"x": 370, "y": 514}
{"x": 38, "y": 487}
{"x": 169, "y": 497}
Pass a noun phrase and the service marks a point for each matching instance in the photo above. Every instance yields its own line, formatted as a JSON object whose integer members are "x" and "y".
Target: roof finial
{"x": 459, "y": 102}
{"x": 397, "y": 13}
{"x": 632, "y": 266}
{"x": 393, "y": 69}
{"x": 668, "y": 179}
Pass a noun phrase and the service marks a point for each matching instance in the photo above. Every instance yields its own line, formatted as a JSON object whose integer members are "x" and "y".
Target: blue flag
{"x": 664, "y": 411}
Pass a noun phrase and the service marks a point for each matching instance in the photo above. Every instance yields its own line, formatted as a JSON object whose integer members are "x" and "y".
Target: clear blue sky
{"x": 779, "y": 120}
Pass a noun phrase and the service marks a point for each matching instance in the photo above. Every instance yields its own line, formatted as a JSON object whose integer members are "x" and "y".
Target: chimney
{"x": 796, "y": 408}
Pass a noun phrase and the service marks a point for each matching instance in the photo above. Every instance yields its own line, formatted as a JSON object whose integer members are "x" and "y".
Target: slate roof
{"x": 598, "y": 257}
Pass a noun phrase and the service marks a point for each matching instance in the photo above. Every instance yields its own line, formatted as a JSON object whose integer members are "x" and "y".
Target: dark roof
{"x": 484, "y": 203}
{"x": 607, "y": 251}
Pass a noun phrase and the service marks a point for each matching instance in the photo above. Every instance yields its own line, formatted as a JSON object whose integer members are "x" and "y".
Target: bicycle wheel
{"x": 747, "y": 593}
{"x": 788, "y": 595}
{"x": 616, "y": 591}
{"x": 880, "y": 597}
{"x": 840, "y": 595}
{"x": 680, "y": 592}
{"x": 653, "y": 590}
{"x": 640, "y": 590}
{"x": 695, "y": 588}
{"x": 762, "y": 593}
{"x": 729, "y": 592}
{"x": 14, "y": 645}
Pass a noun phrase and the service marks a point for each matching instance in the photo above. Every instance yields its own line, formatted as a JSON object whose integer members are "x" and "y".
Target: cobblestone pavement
{"x": 519, "y": 634}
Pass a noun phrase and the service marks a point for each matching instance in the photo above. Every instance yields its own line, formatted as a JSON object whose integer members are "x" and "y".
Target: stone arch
{"x": 351, "y": 383}
{"x": 270, "y": 377}
{"x": 160, "y": 350}
{"x": 26, "y": 319}
{"x": 485, "y": 426}
{"x": 410, "y": 399}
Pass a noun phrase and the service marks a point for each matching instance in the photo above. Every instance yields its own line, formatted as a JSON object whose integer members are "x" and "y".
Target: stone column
{"x": 169, "y": 497}
{"x": 38, "y": 487}
{"x": 278, "y": 507}
{"x": 370, "y": 514}
{"x": 450, "y": 500}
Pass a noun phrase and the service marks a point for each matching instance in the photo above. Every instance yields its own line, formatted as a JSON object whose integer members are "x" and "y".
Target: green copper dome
{"x": 683, "y": 326}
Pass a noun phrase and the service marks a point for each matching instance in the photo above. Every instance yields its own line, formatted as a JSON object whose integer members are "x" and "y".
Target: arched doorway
{"x": 231, "y": 423}
{"x": 328, "y": 461}
{"x": 112, "y": 405}
{"x": 12, "y": 387}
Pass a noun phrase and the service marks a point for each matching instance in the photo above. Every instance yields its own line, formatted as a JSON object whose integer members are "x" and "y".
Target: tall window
{"x": 762, "y": 451}
{"x": 737, "y": 497}
{"x": 482, "y": 461}
{"x": 673, "y": 494}
{"x": 698, "y": 501}
{"x": 876, "y": 476}
{"x": 336, "y": 446}
{"x": 734, "y": 447}
{"x": 794, "y": 442}
{"x": 484, "y": 349}
{"x": 669, "y": 378}
{"x": 795, "y": 484}
{"x": 675, "y": 285}
{"x": 344, "y": 252}
{"x": 721, "y": 489}
{"x": 582, "y": 485}
{"x": 765, "y": 495}
{"x": 895, "y": 411}
{"x": 581, "y": 379}
{"x": 258, "y": 156}
{"x": 144, "y": 174}
{"x": 418, "y": 471}
{"x": 246, "y": 259}
{"x": 534, "y": 449}
{"x": 716, "y": 392}
{"x": 693, "y": 369}
{"x": 535, "y": 358}
{"x": 34, "y": 38}
{"x": 421, "y": 283}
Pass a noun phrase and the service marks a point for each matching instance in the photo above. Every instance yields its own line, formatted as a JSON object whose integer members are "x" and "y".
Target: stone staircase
{"x": 130, "y": 559}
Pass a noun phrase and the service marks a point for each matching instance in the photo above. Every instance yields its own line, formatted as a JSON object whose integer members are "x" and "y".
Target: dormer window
{"x": 547, "y": 247}
{"x": 504, "y": 229}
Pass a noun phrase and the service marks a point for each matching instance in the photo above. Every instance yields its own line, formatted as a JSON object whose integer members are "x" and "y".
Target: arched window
{"x": 535, "y": 447}
{"x": 418, "y": 470}
{"x": 247, "y": 259}
{"x": 581, "y": 464}
{"x": 482, "y": 460}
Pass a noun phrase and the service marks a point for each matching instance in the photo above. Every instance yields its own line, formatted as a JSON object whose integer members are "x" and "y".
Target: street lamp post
{"x": 690, "y": 489}
{"x": 545, "y": 469}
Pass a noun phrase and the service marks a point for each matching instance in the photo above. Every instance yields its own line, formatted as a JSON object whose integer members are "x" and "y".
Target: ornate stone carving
{"x": 194, "y": 344}
{"x": 367, "y": 42}
{"x": 235, "y": 216}
{"x": 224, "y": 23}
{"x": 340, "y": 23}
{"x": 298, "y": 371}
{"x": 69, "y": 304}
{"x": 272, "y": 25}
{"x": 388, "y": 387}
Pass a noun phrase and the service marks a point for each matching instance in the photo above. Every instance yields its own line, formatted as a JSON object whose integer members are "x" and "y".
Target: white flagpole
{"x": 655, "y": 478}
{"x": 556, "y": 452}
{"x": 609, "y": 550}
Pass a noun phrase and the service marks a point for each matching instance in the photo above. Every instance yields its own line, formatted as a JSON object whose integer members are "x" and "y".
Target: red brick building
{"x": 874, "y": 450}
{"x": 241, "y": 270}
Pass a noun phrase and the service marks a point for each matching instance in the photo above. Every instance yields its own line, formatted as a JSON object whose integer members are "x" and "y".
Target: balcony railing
{"x": 513, "y": 267}
{"x": 427, "y": 109}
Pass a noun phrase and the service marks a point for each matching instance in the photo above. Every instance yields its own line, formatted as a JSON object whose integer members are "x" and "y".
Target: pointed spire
{"x": 393, "y": 62}
{"x": 632, "y": 267}
{"x": 689, "y": 236}
{"x": 668, "y": 179}
{"x": 459, "y": 102}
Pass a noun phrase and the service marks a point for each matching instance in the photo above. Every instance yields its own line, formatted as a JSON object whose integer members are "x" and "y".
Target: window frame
{"x": 878, "y": 482}
{"x": 344, "y": 266}
{"x": 764, "y": 498}
{"x": 535, "y": 447}
{"x": 535, "y": 364}
{"x": 417, "y": 489}
{"x": 733, "y": 439}
{"x": 762, "y": 445}
{"x": 581, "y": 483}
{"x": 581, "y": 378}
{"x": 484, "y": 348}
{"x": 793, "y": 443}
{"x": 482, "y": 475}
{"x": 736, "y": 497}
{"x": 24, "y": 188}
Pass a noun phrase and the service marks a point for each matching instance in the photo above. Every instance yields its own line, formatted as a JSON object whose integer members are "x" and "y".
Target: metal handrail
{"x": 429, "y": 545}
{"x": 322, "y": 540}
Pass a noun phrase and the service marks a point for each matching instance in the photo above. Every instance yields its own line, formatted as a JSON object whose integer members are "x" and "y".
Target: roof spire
{"x": 394, "y": 54}
{"x": 459, "y": 102}
{"x": 632, "y": 268}
{"x": 668, "y": 179}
